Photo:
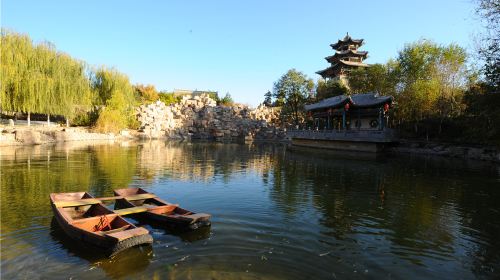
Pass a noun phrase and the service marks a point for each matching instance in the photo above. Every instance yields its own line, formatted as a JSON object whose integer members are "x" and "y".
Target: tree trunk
{"x": 29, "y": 119}
{"x": 440, "y": 126}
{"x": 296, "y": 117}
{"x": 48, "y": 119}
{"x": 67, "y": 122}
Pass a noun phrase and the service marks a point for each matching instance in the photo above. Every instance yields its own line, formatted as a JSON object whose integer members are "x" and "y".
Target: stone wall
{"x": 199, "y": 117}
{"x": 487, "y": 153}
{"x": 45, "y": 135}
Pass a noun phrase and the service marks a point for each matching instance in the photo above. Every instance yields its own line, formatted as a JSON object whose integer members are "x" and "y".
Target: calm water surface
{"x": 277, "y": 213}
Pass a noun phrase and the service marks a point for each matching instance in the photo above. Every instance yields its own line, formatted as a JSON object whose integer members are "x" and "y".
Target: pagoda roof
{"x": 352, "y": 63}
{"x": 342, "y": 63}
{"x": 324, "y": 72}
{"x": 347, "y": 52}
{"x": 360, "y": 100}
{"x": 347, "y": 39}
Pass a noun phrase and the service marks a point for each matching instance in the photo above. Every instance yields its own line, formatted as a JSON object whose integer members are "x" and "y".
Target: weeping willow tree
{"x": 39, "y": 79}
{"x": 115, "y": 95}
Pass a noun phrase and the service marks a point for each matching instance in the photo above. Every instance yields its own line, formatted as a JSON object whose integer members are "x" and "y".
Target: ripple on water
{"x": 276, "y": 214}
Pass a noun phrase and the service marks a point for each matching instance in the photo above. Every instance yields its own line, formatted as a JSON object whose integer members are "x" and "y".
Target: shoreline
{"x": 449, "y": 150}
{"x": 30, "y": 136}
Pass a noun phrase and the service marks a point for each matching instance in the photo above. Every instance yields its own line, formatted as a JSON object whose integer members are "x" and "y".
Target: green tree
{"x": 381, "y": 78}
{"x": 39, "y": 79}
{"x": 214, "y": 95}
{"x": 268, "y": 99}
{"x": 489, "y": 10}
{"x": 226, "y": 100}
{"x": 330, "y": 88}
{"x": 291, "y": 91}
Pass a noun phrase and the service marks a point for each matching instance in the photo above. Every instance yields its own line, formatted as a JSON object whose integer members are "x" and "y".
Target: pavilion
{"x": 357, "y": 122}
{"x": 346, "y": 112}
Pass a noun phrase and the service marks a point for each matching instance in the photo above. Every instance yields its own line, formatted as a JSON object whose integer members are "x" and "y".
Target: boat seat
{"x": 90, "y": 201}
{"x": 139, "y": 196}
{"x": 78, "y": 202}
{"x": 131, "y": 210}
{"x": 140, "y": 209}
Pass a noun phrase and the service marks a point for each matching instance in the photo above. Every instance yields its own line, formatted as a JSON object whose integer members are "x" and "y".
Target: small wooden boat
{"x": 85, "y": 218}
{"x": 157, "y": 210}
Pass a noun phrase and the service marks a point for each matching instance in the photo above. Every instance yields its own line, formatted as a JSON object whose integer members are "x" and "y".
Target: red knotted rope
{"x": 103, "y": 224}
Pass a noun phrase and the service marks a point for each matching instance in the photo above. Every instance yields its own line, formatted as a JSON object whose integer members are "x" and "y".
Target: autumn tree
{"x": 432, "y": 80}
{"x": 116, "y": 95}
{"x": 146, "y": 93}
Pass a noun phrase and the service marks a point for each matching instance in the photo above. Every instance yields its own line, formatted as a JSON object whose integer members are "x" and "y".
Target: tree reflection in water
{"x": 432, "y": 213}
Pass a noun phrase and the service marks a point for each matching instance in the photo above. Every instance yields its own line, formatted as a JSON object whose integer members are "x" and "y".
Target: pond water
{"x": 276, "y": 213}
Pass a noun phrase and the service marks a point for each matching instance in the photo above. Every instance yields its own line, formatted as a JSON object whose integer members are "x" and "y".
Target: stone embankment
{"x": 46, "y": 135}
{"x": 447, "y": 150}
{"x": 201, "y": 118}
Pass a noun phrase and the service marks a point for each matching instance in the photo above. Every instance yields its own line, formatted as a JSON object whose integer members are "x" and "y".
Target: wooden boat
{"x": 157, "y": 210}
{"x": 85, "y": 218}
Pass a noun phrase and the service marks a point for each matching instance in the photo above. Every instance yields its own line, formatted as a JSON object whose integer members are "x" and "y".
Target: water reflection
{"x": 277, "y": 213}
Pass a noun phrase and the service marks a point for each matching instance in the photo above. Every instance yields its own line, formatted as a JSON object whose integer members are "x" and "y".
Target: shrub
{"x": 111, "y": 120}
{"x": 226, "y": 100}
{"x": 169, "y": 98}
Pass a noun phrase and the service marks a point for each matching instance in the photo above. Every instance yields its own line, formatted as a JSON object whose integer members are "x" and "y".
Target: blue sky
{"x": 240, "y": 47}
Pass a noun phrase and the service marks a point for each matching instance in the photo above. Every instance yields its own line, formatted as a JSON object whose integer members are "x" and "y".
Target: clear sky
{"x": 240, "y": 47}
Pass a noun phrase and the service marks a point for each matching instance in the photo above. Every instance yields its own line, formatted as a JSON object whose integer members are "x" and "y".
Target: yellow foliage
{"x": 111, "y": 120}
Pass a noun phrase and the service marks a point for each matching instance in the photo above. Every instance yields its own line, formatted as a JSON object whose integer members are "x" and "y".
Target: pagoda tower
{"x": 346, "y": 58}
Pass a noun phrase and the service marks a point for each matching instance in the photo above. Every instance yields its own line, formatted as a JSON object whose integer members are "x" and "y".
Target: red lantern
{"x": 330, "y": 111}
{"x": 346, "y": 107}
{"x": 386, "y": 107}
{"x": 309, "y": 113}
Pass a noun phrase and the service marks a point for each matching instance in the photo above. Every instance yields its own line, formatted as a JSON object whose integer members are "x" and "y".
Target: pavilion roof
{"x": 347, "y": 39}
{"x": 340, "y": 63}
{"x": 347, "y": 52}
{"x": 360, "y": 100}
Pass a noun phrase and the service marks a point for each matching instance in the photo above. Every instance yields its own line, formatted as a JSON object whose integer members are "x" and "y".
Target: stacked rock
{"x": 200, "y": 117}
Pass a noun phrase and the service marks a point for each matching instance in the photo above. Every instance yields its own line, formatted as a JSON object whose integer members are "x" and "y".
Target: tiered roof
{"x": 346, "y": 57}
{"x": 347, "y": 53}
{"x": 347, "y": 40}
{"x": 335, "y": 69}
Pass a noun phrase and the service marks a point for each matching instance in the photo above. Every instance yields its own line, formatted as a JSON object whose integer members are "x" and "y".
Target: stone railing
{"x": 385, "y": 135}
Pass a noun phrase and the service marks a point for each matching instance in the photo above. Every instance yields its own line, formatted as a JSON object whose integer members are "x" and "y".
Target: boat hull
{"x": 108, "y": 244}
{"x": 183, "y": 219}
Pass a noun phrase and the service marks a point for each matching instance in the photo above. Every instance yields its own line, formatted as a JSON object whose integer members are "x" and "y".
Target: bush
{"x": 226, "y": 100}
{"x": 169, "y": 98}
{"x": 85, "y": 118}
{"x": 146, "y": 93}
{"x": 111, "y": 120}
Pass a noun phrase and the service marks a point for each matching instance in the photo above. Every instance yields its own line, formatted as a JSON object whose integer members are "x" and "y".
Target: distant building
{"x": 346, "y": 58}
{"x": 193, "y": 93}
